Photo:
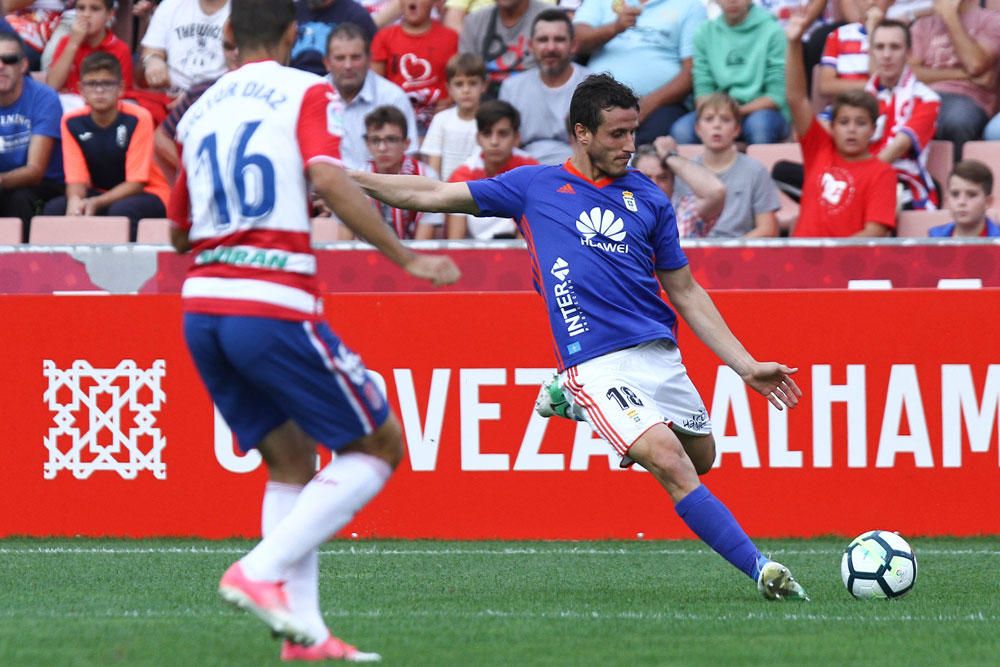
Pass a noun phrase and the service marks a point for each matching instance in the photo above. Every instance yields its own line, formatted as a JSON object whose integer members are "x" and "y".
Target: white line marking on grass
{"x": 375, "y": 550}
{"x": 570, "y": 614}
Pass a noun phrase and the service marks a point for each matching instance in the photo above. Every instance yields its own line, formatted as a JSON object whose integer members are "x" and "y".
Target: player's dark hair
{"x": 101, "y": 61}
{"x": 892, "y": 23}
{"x": 976, "y": 172}
{"x": 13, "y": 38}
{"x": 596, "y": 94}
{"x": 858, "y": 99}
{"x": 465, "y": 64}
{"x": 553, "y": 15}
{"x": 489, "y": 113}
{"x": 385, "y": 115}
{"x": 348, "y": 31}
{"x": 260, "y": 23}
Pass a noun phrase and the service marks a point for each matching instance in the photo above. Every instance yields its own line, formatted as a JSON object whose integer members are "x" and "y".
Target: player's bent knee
{"x": 289, "y": 453}
{"x": 386, "y": 442}
{"x": 700, "y": 449}
{"x": 660, "y": 452}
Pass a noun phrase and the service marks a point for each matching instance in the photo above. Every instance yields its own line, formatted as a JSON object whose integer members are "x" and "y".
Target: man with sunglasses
{"x": 30, "y": 159}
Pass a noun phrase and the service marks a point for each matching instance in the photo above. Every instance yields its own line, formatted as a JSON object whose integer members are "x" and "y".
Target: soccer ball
{"x": 878, "y": 564}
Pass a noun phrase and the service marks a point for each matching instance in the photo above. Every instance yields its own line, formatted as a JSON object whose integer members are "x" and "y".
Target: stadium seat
{"x": 768, "y": 155}
{"x": 325, "y": 230}
{"x": 70, "y": 230}
{"x": 940, "y": 159}
{"x": 914, "y": 224}
{"x": 10, "y": 231}
{"x": 153, "y": 231}
{"x": 987, "y": 152}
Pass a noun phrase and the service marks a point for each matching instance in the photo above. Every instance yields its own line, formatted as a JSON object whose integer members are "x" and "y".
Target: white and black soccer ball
{"x": 878, "y": 564}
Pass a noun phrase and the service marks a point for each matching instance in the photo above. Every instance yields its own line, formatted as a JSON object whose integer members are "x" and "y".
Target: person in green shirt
{"x": 742, "y": 53}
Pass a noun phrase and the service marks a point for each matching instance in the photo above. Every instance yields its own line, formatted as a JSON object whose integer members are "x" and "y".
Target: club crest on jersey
{"x": 629, "y": 200}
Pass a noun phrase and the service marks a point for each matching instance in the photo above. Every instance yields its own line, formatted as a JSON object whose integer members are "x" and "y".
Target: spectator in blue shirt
{"x": 30, "y": 158}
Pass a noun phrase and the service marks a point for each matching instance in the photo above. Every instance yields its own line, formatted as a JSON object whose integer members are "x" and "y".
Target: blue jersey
{"x": 594, "y": 247}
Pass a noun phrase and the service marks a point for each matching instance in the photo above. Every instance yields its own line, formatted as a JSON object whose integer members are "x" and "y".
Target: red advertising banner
{"x": 109, "y": 431}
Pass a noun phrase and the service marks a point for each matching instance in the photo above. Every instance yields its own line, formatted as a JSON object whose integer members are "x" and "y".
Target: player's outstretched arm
{"x": 350, "y": 205}
{"x": 770, "y": 379}
{"x": 417, "y": 193}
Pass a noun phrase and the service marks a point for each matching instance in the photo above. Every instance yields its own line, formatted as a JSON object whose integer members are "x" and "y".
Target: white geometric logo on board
{"x": 104, "y": 419}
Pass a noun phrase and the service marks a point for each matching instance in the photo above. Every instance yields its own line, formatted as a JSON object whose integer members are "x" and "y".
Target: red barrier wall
{"x": 771, "y": 264}
{"x": 894, "y": 384}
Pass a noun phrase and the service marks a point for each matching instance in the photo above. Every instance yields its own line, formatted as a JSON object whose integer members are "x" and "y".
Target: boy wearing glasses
{"x": 108, "y": 151}
{"x": 385, "y": 136}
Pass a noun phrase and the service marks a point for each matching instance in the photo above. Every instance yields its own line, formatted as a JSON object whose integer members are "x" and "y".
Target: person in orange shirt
{"x": 108, "y": 151}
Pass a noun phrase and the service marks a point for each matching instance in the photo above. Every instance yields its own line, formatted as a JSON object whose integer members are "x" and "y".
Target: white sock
{"x": 302, "y": 578}
{"x": 325, "y": 506}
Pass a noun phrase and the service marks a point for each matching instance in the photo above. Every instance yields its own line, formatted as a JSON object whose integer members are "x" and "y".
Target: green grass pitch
{"x": 153, "y": 602}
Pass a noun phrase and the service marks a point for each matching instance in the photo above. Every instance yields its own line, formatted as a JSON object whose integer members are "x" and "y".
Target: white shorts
{"x": 625, "y": 393}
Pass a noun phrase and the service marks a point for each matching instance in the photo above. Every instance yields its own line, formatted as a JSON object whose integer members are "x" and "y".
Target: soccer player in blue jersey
{"x": 600, "y": 235}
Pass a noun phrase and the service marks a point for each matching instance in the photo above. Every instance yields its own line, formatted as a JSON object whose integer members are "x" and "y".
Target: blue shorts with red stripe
{"x": 261, "y": 372}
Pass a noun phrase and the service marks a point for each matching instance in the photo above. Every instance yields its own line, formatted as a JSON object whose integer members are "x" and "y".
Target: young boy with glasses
{"x": 385, "y": 135}
{"x": 108, "y": 151}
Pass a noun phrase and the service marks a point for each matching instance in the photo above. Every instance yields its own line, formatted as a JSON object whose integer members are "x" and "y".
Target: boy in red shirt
{"x": 497, "y": 125}
{"x": 88, "y": 34}
{"x": 847, "y": 191}
{"x": 413, "y": 55}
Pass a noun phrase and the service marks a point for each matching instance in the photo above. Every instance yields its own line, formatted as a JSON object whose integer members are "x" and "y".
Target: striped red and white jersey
{"x": 846, "y": 51}
{"x": 242, "y": 191}
{"x": 910, "y": 108}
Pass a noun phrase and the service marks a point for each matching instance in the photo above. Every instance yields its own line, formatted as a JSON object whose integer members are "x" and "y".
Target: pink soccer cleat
{"x": 331, "y": 649}
{"x": 266, "y": 600}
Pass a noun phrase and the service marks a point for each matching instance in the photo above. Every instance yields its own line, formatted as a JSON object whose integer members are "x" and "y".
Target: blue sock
{"x": 717, "y": 527}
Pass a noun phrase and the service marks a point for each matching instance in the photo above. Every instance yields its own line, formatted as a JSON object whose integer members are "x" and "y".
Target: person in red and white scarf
{"x": 386, "y": 137}
{"x": 908, "y": 111}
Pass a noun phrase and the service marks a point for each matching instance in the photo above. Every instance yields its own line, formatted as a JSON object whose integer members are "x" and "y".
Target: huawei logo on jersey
{"x": 603, "y": 230}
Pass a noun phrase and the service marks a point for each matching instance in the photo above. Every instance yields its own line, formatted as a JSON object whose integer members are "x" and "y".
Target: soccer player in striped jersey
{"x": 600, "y": 235}
{"x": 254, "y": 322}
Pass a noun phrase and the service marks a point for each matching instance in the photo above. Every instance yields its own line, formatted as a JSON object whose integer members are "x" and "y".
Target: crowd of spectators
{"x": 461, "y": 89}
